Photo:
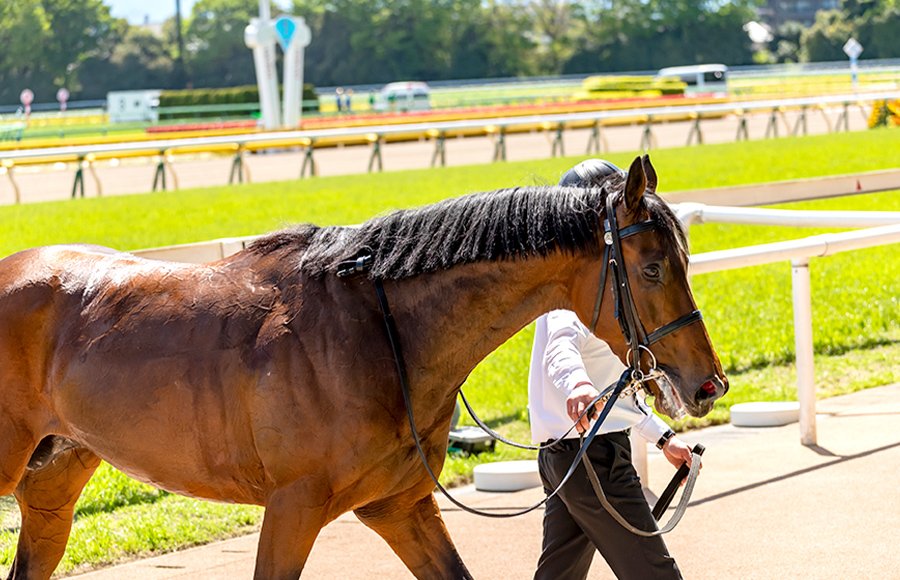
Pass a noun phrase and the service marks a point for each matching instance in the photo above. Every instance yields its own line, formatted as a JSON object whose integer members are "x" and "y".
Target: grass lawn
{"x": 748, "y": 311}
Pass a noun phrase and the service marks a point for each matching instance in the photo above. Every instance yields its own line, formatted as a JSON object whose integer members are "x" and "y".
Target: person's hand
{"x": 578, "y": 401}
{"x": 677, "y": 452}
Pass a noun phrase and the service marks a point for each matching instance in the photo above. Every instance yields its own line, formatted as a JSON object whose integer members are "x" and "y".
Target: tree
{"x": 44, "y": 42}
{"x": 494, "y": 41}
{"x": 23, "y": 30}
{"x": 555, "y": 31}
{"x": 140, "y": 60}
{"x": 215, "y": 53}
{"x": 624, "y": 35}
{"x": 786, "y": 42}
{"x": 79, "y": 28}
{"x": 885, "y": 40}
{"x": 824, "y": 40}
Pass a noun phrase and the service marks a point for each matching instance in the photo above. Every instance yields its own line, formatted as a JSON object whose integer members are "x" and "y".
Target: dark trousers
{"x": 575, "y": 524}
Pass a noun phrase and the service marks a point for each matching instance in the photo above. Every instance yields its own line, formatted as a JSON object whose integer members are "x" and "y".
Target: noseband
{"x": 625, "y": 309}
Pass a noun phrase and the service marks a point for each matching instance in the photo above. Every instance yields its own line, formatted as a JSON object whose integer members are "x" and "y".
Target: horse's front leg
{"x": 290, "y": 527}
{"x": 413, "y": 528}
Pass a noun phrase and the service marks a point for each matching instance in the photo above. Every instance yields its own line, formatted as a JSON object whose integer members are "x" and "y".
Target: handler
{"x": 569, "y": 366}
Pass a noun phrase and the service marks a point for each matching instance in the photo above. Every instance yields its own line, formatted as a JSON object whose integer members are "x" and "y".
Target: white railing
{"x": 698, "y": 213}
{"x": 798, "y": 252}
{"x": 772, "y": 192}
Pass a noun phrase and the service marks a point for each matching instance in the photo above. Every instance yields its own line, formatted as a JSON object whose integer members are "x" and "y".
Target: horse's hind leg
{"x": 47, "y": 499}
{"x": 415, "y": 531}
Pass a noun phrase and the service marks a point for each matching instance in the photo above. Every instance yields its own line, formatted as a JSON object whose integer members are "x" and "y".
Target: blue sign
{"x": 285, "y": 27}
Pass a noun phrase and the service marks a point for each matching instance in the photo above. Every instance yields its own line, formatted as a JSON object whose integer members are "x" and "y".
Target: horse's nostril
{"x": 707, "y": 390}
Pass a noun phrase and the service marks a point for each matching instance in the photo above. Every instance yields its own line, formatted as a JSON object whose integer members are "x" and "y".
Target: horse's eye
{"x": 652, "y": 272}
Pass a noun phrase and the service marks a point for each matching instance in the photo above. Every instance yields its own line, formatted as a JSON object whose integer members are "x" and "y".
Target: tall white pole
{"x": 293, "y": 46}
{"x": 260, "y": 37}
{"x": 803, "y": 341}
{"x": 639, "y": 458}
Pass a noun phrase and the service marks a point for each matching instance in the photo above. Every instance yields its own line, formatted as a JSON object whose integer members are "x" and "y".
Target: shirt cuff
{"x": 651, "y": 428}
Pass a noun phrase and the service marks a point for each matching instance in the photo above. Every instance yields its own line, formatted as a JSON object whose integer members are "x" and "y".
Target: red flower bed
{"x": 202, "y": 126}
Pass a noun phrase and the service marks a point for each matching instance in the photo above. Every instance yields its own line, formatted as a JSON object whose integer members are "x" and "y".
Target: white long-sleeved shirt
{"x": 565, "y": 353}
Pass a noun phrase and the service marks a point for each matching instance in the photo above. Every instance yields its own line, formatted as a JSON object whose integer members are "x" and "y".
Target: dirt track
{"x": 136, "y": 176}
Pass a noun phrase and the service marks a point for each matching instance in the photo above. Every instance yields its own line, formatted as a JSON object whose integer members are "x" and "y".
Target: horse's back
{"x": 50, "y": 266}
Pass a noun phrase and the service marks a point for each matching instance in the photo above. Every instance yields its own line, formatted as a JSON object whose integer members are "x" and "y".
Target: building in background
{"x": 774, "y": 13}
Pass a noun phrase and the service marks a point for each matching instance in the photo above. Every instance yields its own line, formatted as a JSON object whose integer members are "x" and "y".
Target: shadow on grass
{"x": 96, "y": 507}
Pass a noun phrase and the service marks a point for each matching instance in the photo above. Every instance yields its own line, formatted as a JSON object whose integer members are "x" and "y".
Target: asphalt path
{"x": 765, "y": 507}
{"x": 128, "y": 176}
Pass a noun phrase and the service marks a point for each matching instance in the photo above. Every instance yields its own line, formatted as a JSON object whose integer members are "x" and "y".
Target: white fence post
{"x": 803, "y": 341}
{"x": 639, "y": 458}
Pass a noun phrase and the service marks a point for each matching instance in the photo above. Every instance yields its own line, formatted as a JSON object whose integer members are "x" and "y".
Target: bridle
{"x": 632, "y": 380}
{"x": 625, "y": 308}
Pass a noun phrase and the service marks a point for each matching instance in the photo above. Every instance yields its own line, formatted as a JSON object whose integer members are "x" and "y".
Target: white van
{"x": 133, "y": 106}
{"x": 404, "y": 96}
{"x": 701, "y": 78}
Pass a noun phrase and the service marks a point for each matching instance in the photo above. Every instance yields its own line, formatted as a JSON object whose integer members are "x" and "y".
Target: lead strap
{"x": 696, "y": 462}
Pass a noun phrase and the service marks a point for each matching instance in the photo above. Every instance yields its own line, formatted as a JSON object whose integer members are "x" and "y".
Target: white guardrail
{"x": 502, "y": 123}
{"x": 798, "y": 252}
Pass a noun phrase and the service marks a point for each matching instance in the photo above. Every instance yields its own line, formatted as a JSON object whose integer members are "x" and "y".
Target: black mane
{"x": 505, "y": 224}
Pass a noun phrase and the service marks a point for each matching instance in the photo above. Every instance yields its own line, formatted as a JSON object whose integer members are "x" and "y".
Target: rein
{"x": 394, "y": 339}
{"x": 632, "y": 380}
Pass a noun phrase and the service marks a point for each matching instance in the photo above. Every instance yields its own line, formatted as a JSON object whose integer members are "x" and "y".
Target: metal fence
{"x": 497, "y": 127}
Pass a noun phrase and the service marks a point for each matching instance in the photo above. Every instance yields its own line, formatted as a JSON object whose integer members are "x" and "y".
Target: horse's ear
{"x": 650, "y": 172}
{"x": 635, "y": 184}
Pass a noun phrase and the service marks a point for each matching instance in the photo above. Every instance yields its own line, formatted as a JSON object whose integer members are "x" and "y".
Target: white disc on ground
{"x": 507, "y": 476}
{"x": 765, "y": 413}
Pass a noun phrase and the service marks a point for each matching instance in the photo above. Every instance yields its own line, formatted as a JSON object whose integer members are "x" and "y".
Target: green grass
{"x": 748, "y": 312}
{"x": 139, "y": 221}
{"x": 118, "y": 518}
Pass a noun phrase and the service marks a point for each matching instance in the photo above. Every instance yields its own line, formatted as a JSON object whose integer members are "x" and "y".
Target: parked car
{"x": 403, "y": 96}
{"x": 701, "y": 78}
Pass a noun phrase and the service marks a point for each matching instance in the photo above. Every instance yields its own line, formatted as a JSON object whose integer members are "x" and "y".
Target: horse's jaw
{"x": 667, "y": 401}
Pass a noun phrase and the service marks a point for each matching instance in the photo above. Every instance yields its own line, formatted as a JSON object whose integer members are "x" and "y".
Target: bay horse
{"x": 266, "y": 379}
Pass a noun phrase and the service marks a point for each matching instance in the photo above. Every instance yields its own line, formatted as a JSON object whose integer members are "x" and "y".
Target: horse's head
{"x": 647, "y": 264}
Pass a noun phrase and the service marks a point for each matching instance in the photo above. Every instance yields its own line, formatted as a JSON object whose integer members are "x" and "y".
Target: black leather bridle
{"x": 625, "y": 308}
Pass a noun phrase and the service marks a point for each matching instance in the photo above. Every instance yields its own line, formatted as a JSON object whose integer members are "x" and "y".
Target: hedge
{"x": 220, "y": 97}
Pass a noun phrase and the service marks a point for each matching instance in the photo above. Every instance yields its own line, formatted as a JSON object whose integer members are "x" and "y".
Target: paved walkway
{"x": 765, "y": 508}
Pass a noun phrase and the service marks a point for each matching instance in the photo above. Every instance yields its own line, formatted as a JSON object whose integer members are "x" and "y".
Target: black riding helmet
{"x": 589, "y": 172}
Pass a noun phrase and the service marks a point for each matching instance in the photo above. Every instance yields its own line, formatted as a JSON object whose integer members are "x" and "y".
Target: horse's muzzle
{"x": 711, "y": 390}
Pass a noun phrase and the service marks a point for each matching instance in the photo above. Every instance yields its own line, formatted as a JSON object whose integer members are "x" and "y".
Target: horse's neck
{"x": 451, "y": 320}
